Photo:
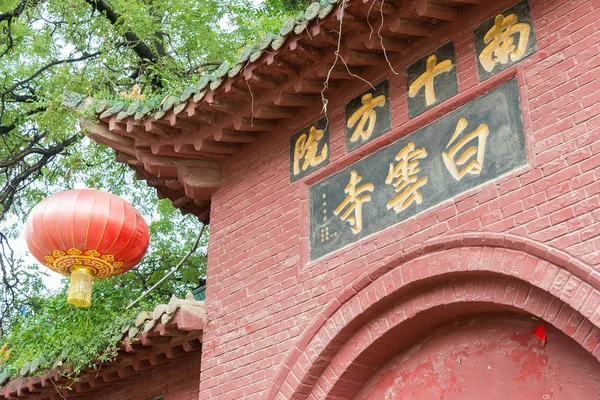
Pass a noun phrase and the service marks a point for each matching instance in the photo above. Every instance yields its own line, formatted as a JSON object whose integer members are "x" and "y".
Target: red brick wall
{"x": 448, "y": 364}
{"x": 263, "y": 290}
{"x": 177, "y": 380}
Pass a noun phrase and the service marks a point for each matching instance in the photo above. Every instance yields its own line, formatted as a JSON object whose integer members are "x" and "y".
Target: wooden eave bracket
{"x": 269, "y": 87}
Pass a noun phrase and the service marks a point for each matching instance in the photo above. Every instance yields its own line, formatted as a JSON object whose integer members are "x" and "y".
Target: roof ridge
{"x": 151, "y": 107}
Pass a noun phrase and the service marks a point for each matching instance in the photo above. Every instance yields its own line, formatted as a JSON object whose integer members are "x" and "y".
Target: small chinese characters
{"x": 431, "y": 80}
{"x": 504, "y": 40}
{"x": 309, "y": 149}
{"x": 353, "y": 202}
{"x": 368, "y": 116}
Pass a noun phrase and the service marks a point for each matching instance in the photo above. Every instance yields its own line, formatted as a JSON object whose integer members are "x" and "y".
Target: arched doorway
{"x": 392, "y": 308}
{"x": 487, "y": 356}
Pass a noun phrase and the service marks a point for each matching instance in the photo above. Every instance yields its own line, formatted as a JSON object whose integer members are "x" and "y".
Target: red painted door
{"x": 491, "y": 358}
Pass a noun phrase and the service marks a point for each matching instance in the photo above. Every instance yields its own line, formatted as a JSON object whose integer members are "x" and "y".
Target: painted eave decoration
{"x": 177, "y": 146}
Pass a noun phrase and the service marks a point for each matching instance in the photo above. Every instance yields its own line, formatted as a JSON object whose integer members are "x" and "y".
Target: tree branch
{"x": 8, "y": 17}
{"x": 8, "y": 191}
{"x": 140, "y": 48}
{"x": 20, "y": 9}
{"x": 85, "y": 56}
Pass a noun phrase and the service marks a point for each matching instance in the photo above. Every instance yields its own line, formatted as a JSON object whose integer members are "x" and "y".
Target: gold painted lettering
{"x": 306, "y": 148}
{"x": 475, "y": 166}
{"x": 354, "y": 201}
{"x": 500, "y": 40}
{"x": 426, "y": 79}
{"x": 403, "y": 176}
{"x": 365, "y": 115}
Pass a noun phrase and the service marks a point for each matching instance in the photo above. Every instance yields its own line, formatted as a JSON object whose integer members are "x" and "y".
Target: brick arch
{"x": 546, "y": 282}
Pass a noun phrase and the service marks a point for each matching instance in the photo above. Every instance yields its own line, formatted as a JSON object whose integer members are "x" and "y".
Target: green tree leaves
{"x": 98, "y": 48}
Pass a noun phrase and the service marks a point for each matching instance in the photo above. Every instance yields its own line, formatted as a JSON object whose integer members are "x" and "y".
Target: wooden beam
{"x": 339, "y": 72}
{"x": 275, "y": 112}
{"x": 427, "y": 9}
{"x": 236, "y": 94}
{"x": 101, "y": 134}
{"x": 308, "y": 86}
{"x": 211, "y": 146}
{"x": 162, "y": 129}
{"x": 386, "y": 43}
{"x": 282, "y": 66}
{"x": 254, "y": 124}
{"x": 233, "y": 136}
{"x": 378, "y": 7}
{"x": 351, "y": 21}
{"x": 117, "y": 126}
{"x": 305, "y": 51}
{"x": 467, "y": 1}
{"x": 193, "y": 111}
{"x": 353, "y": 57}
{"x": 411, "y": 28}
{"x": 259, "y": 81}
{"x": 318, "y": 34}
{"x": 295, "y": 99}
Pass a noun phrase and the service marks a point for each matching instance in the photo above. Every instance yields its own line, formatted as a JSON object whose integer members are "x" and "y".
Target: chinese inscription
{"x": 476, "y": 164}
{"x": 356, "y": 196}
{"x": 309, "y": 149}
{"x": 431, "y": 80}
{"x": 458, "y": 152}
{"x": 368, "y": 116}
{"x": 425, "y": 80}
{"x": 403, "y": 176}
{"x": 504, "y": 40}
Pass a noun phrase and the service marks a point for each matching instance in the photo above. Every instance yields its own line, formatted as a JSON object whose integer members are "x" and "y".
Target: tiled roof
{"x": 177, "y": 144}
{"x": 170, "y": 331}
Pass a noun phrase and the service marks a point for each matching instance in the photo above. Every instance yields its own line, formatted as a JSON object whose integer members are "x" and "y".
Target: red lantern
{"x": 87, "y": 234}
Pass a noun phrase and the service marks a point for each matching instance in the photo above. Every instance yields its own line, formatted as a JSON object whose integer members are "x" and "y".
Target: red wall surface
{"x": 488, "y": 358}
{"x": 177, "y": 380}
{"x": 280, "y": 324}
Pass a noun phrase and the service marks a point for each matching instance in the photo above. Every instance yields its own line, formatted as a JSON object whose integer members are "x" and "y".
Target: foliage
{"x": 48, "y": 329}
{"x": 98, "y": 48}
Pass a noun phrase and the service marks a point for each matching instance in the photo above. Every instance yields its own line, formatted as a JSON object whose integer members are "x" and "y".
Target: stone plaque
{"x": 504, "y": 40}
{"x": 368, "y": 116}
{"x": 309, "y": 149}
{"x": 474, "y": 144}
{"x": 431, "y": 80}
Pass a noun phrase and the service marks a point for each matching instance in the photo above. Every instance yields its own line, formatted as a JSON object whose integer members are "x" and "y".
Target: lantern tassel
{"x": 80, "y": 287}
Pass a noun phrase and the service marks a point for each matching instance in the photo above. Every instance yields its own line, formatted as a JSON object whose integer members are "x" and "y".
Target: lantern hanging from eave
{"x": 87, "y": 234}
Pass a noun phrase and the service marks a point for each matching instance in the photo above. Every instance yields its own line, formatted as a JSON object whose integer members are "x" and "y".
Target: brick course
{"x": 264, "y": 292}
{"x": 177, "y": 380}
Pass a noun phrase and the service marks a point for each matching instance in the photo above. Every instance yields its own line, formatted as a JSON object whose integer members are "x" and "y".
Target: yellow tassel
{"x": 80, "y": 287}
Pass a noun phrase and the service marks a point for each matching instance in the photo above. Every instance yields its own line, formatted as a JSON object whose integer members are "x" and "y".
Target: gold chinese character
{"x": 403, "y": 176}
{"x": 500, "y": 42}
{"x": 354, "y": 200}
{"x": 474, "y": 167}
{"x": 426, "y": 79}
{"x": 306, "y": 147}
{"x": 365, "y": 114}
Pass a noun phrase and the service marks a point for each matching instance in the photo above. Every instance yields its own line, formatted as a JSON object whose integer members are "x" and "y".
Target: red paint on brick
{"x": 487, "y": 357}
{"x": 267, "y": 300}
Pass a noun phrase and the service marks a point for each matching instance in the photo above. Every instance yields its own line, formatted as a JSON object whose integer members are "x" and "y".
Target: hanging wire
{"x": 164, "y": 278}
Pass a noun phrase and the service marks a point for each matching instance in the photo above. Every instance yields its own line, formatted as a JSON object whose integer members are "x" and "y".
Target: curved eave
{"x": 169, "y": 332}
{"x": 178, "y": 149}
